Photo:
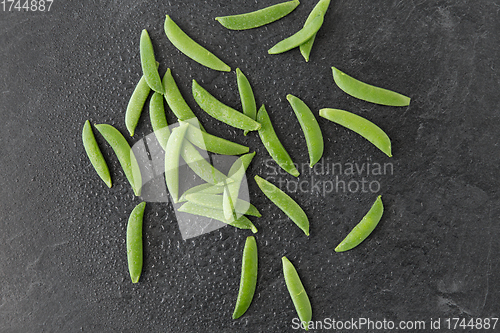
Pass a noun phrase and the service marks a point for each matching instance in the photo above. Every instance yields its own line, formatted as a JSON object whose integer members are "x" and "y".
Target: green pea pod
{"x": 248, "y": 280}
{"x": 175, "y": 100}
{"x": 134, "y": 242}
{"x": 215, "y": 201}
{"x": 246, "y": 95}
{"x": 190, "y": 48}
{"x": 285, "y": 203}
{"x": 214, "y": 143}
{"x": 136, "y": 104}
{"x": 297, "y": 292}
{"x": 367, "y": 92}
{"x": 300, "y": 37}
{"x": 310, "y": 127}
{"x": 222, "y": 112}
{"x": 364, "y": 228}
{"x": 158, "y": 119}
{"x": 320, "y": 9}
{"x": 360, "y": 125}
{"x": 232, "y": 190}
{"x": 201, "y": 167}
{"x": 95, "y": 154}
{"x": 259, "y": 17}
{"x": 241, "y": 223}
{"x": 273, "y": 145}
{"x": 124, "y": 154}
{"x": 205, "y": 188}
{"x": 148, "y": 63}
{"x": 245, "y": 160}
{"x": 172, "y": 156}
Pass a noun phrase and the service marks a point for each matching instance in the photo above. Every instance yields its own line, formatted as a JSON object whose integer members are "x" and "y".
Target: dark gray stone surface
{"x": 62, "y": 231}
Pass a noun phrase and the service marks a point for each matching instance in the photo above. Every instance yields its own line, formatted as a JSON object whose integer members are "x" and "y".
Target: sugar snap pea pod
{"x": 230, "y": 194}
{"x": 360, "y": 125}
{"x": 367, "y": 92}
{"x": 214, "y": 143}
{"x": 148, "y": 63}
{"x": 364, "y": 228}
{"x": 297, "y": 292}
{"x": 134, "y": 242}
{"x": 300, "y": 37}
{"x": 273, "y": 145}
{"x": 241, "y": 223}
{"x": 222, "y": 112}
{"x": 175, "y": 100}
{"x": 95, "y": 154}
{"x": 172, "y": 155}
{"x": 248, "y": 280}
{"x": 200, "y": 166}
{"x": 158, "y": 119}
{"x": 285, "y": 203}
{"x": 205, "y": 188}
{"x": 259, "y": 17}
{"x": 246, "y": 95}
{"x": 241, "y": 207}
{"x": 190, "y": 48}
{"x": 124, "y": 154}
{"x": 310, "y": 127}
{"x": 320, "y": 9}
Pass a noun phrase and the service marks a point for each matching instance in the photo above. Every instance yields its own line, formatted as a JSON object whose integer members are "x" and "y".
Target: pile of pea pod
{"x": 218, "y": 198}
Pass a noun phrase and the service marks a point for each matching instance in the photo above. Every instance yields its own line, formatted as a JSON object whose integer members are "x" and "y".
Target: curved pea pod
{"x": 222, "y": 112}
{"x": 201, "y": 167}
{"x": 367, "y": 92}
{"x": 273, "y": 145}
{"x": 175, "y": 101}
{"x": 320, "y": 9}
{"x": 158, "y": 119}
{"x": 246, "y": 95}
{"x": 297, "y": 292}
{"x": 364, "y": 228}
{"x": 300, "y": 37}
{"x": 148, "y": 63}
{"x": 259, "y": 17}
{"x": 241, "y": 223}
{"x": 215, "y": 201}
{"x": 134, "y": 242}
{"x": 190, "y": 48}
{"x": 205, "y": 188}
{"x": 310, "y": 127}
{"x": 172, "y": 157}
{"x": 124, "y": 154}
{"x": 285, "y": 203}
{"x": 360, "y": 125}
{"x": 94, "y": 154}
{"x": 248, "y": 280}
{"x": 213, "y": 143}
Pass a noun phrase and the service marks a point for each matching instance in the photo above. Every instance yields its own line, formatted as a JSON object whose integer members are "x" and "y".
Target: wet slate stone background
{"x": 62, "y": 231}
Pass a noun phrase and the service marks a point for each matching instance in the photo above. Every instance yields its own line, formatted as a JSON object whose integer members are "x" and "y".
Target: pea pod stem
{"x": 241, "y": 223}
{"x": 259, "y": 17}
{"x": 134, "y": 242}
{"x": 310, "y": 127}
{"x": 273, "y": 145}
{"x": 190, "y": 48}
{"x": 297, "y": 292}
{"x": 148, "y": 63}
{"x": 159, "y": 119}
{"x": 368, "y": 92}
{"x": 360, "y": 125}
{"x": 124, "y": 154}
{"x": 94, "y": 154}
{"x": 248, "y": 280}
{"x": 299, "y": 37}
{"x": 364, "y": 228}
{"x": 285, "y": 203}
{"x": 320, "y": 9}
{"x": 222, "y": 112}
{"x": 172, "y": 157}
